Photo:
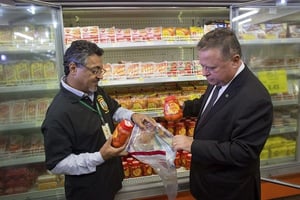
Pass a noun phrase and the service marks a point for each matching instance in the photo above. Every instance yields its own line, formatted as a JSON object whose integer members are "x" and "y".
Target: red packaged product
{"x": 172, "y": 109}
{"x": 136, "y": 170}
{"x": 177, "y": 160}
{"x": 121, "y": 133}
{"x": 126, "y": 169}
{"x": 188, "y": 161}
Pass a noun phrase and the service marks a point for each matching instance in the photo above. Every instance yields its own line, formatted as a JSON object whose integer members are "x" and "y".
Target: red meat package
{"x": 153, "y": 146}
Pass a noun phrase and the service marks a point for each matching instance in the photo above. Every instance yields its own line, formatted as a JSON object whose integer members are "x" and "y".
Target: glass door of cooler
{"x": 270, "y": 39}
{"x": 30, "y": 58}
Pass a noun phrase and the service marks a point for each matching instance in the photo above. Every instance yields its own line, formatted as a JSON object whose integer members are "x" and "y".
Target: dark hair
{"x": 79, "y": 51}
{"x": 222, "y": 38}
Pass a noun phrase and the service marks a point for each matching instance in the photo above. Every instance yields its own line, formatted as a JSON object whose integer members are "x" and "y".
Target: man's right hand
{"x": 107, "y": 151}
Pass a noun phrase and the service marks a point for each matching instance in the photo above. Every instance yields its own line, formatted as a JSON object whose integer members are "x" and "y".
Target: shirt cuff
{"x": 122, "y": 113}
{"x": 97, "y": 158}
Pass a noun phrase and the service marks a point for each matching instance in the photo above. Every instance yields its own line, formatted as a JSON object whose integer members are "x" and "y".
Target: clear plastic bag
{"x": 153, "y": 146}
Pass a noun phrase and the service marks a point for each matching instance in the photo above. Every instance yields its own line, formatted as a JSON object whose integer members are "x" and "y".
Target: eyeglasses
{"x": 95, "y": 70}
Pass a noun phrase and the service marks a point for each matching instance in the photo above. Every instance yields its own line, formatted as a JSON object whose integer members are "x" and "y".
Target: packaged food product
{"x": 147, "y": 169}
{"x": 123, "y": 35}
{"x": 191, "y": 128}
{"x": 154, "y": 33}
{"x": 121, "y": 133}
{"x": 126, "y": 169}
{"x": 138, "y": 35}
{"x": 168, "y": 33}
{"x": 172, "y": 109}
{"x": 107, "y": 35}
{"x": 180, "y": 129}
{"x": 71, "y": 34}
{"x": 183, "y": 157}
{"x": 90, "y": 33}
{"x": 188, "y": 161}
{"x": 182, "y": 33}
{"x": 136, "y": 169}
{"x": 177, "y": 160}
{"x": 196, "y": 32}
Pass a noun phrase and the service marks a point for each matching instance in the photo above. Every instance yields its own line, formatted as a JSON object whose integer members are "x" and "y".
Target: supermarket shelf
{"x": 21, "y": 125}
{"x": 280, "y": 160}
{"x": 182, "y": 44}
{"x": 146, "y": 44}
{"x": 20, "y": 160}
{"x": 132, "y": 188}
{"x": 51, "y": 85}
{"x": 282, "y": 130}
{"x": 270, "y": 41}
{"x": 150, "y": 80}
{"x": 285, "y": 102}
{"x": 29, "y": 47}
{"x": 57, "y": 193}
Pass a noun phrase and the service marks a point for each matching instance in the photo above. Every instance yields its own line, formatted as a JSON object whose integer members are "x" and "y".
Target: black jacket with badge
{"x": 70, "y": 127}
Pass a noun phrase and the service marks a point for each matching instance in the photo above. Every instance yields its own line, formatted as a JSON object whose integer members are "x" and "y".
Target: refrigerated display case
{"x": 270, "y": 39}
{"x": 149, "y": 53}
{"x": 142, "y": 68}
{"x": 30, "y": 59}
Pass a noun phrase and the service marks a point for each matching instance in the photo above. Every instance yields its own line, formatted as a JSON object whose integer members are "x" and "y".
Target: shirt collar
{"x": 75, "y": 91}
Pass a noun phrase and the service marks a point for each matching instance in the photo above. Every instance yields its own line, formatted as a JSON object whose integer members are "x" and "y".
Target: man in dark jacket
{"x": 78, "y": 125}
{"x": 229, "y": 136}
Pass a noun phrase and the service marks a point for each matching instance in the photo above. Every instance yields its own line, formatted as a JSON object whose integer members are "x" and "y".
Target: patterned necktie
{"x": 212, "y": 100}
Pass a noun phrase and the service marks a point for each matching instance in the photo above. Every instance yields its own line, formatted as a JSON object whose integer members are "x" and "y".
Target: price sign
{"x": 275, "y": 81}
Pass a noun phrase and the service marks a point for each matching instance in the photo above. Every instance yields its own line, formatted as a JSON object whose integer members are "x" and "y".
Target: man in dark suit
{"x": 230, "y": 136}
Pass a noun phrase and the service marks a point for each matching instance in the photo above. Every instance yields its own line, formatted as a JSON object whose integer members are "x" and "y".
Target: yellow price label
{"x": 275, "y": 81}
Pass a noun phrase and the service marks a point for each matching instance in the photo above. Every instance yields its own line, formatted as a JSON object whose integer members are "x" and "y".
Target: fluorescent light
{"x": 245, "y": 21}
{"x": 31, "y": 10}
{"x": 3, "y": 57}
{"x": 247, "y": 14}
{"x": 23, "y": 35}
{"x": 281, "y": 2}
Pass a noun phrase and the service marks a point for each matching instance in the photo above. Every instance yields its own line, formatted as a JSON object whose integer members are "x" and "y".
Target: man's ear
{"x": 236, "y": 59}
{"x": 72, "y": 67}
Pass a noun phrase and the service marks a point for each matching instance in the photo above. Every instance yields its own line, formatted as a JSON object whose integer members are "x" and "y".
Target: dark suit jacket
{"x": 227, "y": 143}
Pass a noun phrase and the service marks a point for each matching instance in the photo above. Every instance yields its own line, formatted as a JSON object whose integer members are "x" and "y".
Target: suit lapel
{"x": 228, "y": 94}
{"x": 206, "y": 95}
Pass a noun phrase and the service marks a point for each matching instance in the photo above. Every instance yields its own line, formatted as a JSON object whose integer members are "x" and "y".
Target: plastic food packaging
{"x": 172, "y": 109}
{"x": 153, "y": 147}
{"x": 121, "y": 133}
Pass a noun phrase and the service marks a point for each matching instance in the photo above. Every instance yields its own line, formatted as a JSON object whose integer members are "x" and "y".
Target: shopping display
{"x": 150, "y": 56}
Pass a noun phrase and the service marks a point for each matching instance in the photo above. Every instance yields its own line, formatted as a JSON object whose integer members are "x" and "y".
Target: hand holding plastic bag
{"x": 153, "y": 146}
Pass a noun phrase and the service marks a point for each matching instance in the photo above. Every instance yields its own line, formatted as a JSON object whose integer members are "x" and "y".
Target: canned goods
{"x": 126, "y": 169}
{"x": 136, "y": 170}
{"x": 191, "y": 128}
{"x": 180, "y": 129}
{"x": 147, "y": 169}
{"x": 188, "y": 161}
{"x": 177, "y": 160}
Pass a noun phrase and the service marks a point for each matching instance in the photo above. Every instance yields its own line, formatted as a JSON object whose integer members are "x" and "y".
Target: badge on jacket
{"x": 102, "y": 103}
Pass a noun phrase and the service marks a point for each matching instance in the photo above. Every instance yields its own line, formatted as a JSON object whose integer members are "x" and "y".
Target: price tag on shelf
{"x": 141, "y": 80}
{"x": 275, "y": 81}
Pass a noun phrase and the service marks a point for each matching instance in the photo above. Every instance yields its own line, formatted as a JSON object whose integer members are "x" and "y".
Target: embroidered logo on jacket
{"x": 102, "y": 103}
